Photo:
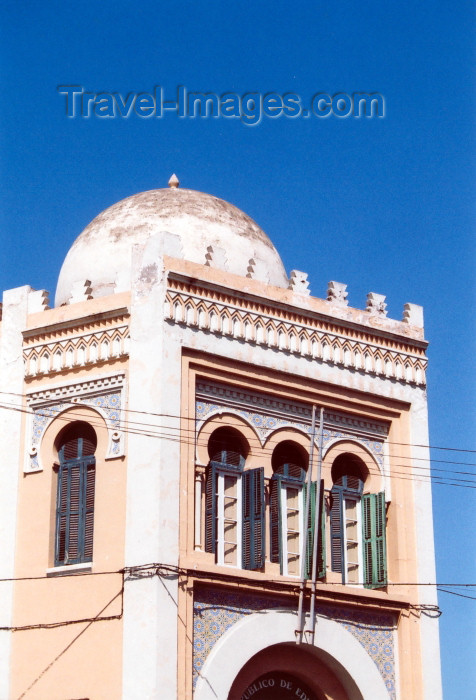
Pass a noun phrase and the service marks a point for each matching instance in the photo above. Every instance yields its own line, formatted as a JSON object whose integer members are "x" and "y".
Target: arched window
{"x": 75, "y": 494}
{"x": 358, "y": 543}
{"x": 234, "y": 503}
{"x": 287, "y": 512}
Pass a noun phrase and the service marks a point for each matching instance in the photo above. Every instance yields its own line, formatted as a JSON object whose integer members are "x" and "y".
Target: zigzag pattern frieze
{"x": 76, "y": 351}
{"x": 258, "y": 308}
{"x": 330, "y": 346}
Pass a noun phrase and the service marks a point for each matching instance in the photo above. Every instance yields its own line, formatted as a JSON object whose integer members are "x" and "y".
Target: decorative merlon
{"x": 257, "y": 270}
{"x": 38, "y": 301}
{"x": 376, "y": 305}
{"x": 80, "y": 291}
{"x": 413, "y": 314}
{"x": 215, "y": 257}
{"x": 337, "y": 294}
{"x": 298, "y": 283}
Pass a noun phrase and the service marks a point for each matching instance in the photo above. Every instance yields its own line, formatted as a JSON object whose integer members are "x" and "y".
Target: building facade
{"x": 210, "y": 483}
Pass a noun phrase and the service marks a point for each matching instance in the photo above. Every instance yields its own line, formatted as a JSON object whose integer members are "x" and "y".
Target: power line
{"x": 175, "y": 436}
{"x": 143, "y": 429}
{"x": 135, "y": 569}
{"x": 192, "y": 418}
{"x": 460, "y": 595}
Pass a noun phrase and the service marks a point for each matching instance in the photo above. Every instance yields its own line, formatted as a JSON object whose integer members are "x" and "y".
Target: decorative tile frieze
{"x": 104, "y": 394}
{"x": 363, "y": 351}
{"x": 266, "y": 414}
{"x": 216, "y": 611}
{"x": 286, "y": 410}
{"x": 78, "y": 350}
{"x": 265, "y": 425}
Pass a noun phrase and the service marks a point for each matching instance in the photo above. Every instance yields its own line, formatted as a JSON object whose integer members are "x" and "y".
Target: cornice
{"x": 285, "y": 311}
{"x": 263, "y": 322}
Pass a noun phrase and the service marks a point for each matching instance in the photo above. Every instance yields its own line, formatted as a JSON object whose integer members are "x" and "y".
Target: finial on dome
{"x": 174, "y": 182}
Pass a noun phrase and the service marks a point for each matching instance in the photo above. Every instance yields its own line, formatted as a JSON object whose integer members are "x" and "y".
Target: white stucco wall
{"x": 153, "y": 463}
{"x": 430, "y": 643}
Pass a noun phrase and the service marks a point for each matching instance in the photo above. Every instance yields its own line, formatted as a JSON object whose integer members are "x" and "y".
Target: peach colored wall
{"x": 401, "y": 548}
{"x": 92, "y": 659}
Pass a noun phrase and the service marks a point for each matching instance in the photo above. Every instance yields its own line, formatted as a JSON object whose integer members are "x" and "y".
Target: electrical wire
{"x": 175, "y": 433}
{"x": 192, "y": 418}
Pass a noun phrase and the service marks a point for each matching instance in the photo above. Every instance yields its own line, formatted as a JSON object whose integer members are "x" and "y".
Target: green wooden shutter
{"x": 374, "y": 540}
{"x": 310, "y": 526}
{"x": 275, "y": 518}
{"x": 210, "y": 509}
{"x": 253, "y": 518}
{"x": 321, "y": 537}
{"x": 321, "y": 542}
{"x": 337, "y": 531}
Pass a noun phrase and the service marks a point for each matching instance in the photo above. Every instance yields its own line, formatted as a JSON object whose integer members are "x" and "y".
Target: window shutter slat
{"x": 373, "y": 530}
{"x": 71, "y": 449}
{"x": 89, "y": 512}
{"x": 275, "y": 517}
{"x": 253, "y": 518}
{"x": 75, "y": 498}
{"x": 310, "y": 526}
{"x": 337, "y": 532}
{"x": 210, "y": 509}
{"x": 321, "y": 542}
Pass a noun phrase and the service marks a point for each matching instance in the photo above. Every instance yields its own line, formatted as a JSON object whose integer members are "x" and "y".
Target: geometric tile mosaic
{"x": 104, "y": 394}
{"x": 266, "y": 424}
{"x": 216, "y": 610}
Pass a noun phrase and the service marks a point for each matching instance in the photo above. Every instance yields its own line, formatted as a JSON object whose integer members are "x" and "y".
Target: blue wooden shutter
{"x": 88, "y": 512}
{"x": 374, "y": 540}
{"x": 275, "y": 519}
{"x": 210, "y": 509}
{"x": 75, "y": 511}
{"x": 62, "y": 516}
{"x": 253, "y": 518}
{"x": 337, "y": 531}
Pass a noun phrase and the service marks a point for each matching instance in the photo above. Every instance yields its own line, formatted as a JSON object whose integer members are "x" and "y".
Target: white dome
{"x": 102, "y": 253}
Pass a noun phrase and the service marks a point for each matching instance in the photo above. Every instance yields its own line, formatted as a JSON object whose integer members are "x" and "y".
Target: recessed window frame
{"x": 75, "y": 496}
{"x": 286, "y": 487}
{"x": 222, "y": 476}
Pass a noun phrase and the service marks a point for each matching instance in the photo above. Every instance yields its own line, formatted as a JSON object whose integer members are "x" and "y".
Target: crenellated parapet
{"x": 351, "y": 342}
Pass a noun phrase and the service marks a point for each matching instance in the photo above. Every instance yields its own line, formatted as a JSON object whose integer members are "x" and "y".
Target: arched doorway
{"x": 284, "y": 671}
{"x": 336, "y": 667}
{"x": 276, "y": 685}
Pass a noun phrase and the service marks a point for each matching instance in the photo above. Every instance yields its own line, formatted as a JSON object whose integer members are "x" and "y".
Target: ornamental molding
{"x": 104, "y": 394}
{"x": 312, "y": 337}
{"x": 74, "y": 351}
{"x": 264, "y": 425}
{"x": 286, "y": 409}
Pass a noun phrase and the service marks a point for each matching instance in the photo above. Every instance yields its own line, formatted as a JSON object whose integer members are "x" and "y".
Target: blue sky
{"x": 384, "y": 205}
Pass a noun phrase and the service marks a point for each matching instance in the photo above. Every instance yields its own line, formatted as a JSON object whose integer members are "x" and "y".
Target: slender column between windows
{"x": 199, "y": 476}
